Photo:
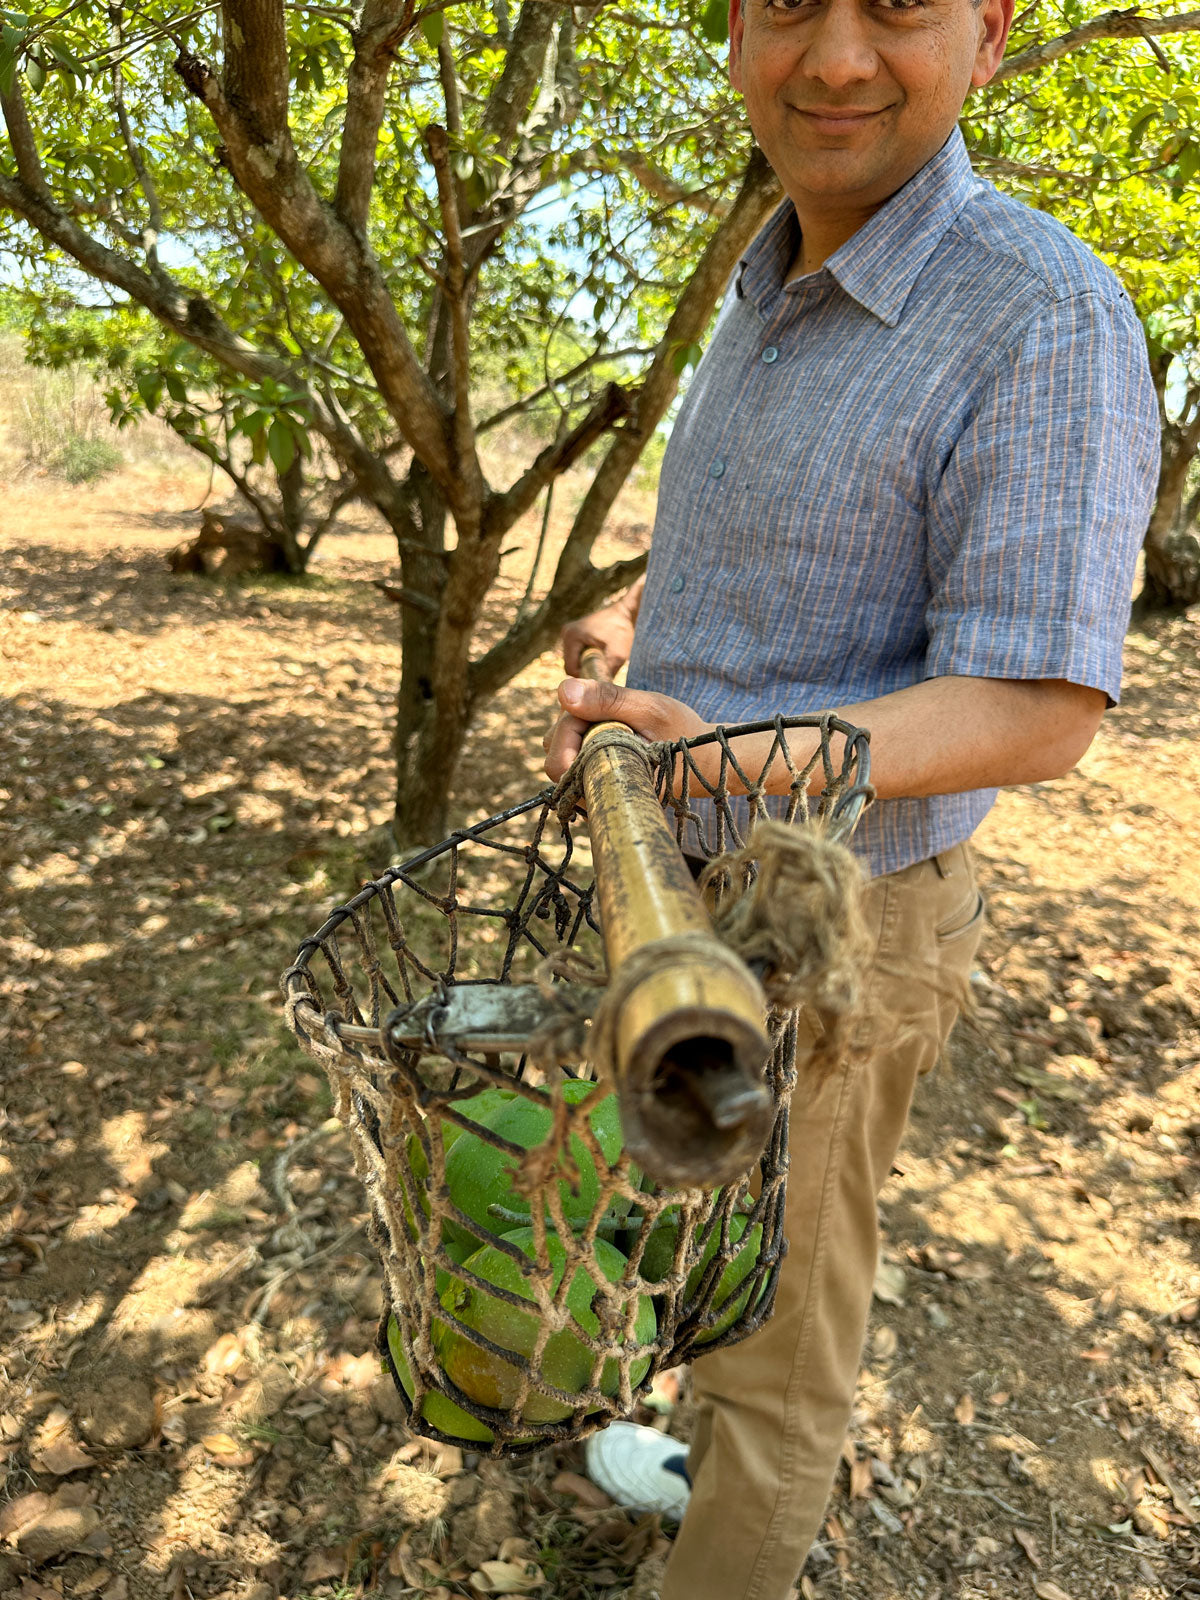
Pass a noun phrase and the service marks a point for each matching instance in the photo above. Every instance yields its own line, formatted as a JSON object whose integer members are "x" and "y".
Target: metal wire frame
{"x": 398, "y": 1101}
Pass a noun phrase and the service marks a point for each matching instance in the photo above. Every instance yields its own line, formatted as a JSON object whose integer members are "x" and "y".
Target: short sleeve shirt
{"x": 935, "y": 456}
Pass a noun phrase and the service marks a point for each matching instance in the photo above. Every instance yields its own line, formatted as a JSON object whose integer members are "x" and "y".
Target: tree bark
{"x": 1172, "y": 550}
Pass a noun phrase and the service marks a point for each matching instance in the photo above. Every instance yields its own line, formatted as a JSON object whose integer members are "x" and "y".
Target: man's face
{"x": 850, "y": 98}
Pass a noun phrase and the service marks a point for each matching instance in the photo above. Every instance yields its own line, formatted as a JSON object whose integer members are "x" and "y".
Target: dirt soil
{"x": 189, "y": 1402}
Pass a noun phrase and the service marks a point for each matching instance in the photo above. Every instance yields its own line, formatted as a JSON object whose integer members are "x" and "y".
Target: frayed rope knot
{"x": 795, "y": 917}
{"x": 568, "y": 795}
{"x": 799, "y": 921}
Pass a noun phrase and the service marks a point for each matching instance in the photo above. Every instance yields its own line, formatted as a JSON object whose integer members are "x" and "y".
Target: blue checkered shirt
{"x": 936, "y": 456}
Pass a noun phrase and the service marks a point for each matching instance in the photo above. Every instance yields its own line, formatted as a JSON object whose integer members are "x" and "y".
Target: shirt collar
{"x": 879, "y": 265}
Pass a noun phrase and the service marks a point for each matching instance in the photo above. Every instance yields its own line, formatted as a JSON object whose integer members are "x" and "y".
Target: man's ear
{"x": 995, "y": 18}
{"x": 737, "y": 23}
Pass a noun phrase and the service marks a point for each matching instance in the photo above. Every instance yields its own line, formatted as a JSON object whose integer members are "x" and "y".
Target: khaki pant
{"x": 774, "y": 1409}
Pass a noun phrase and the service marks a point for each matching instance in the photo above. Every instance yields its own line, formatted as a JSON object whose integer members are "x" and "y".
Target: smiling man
{"x": 908, "y": 482}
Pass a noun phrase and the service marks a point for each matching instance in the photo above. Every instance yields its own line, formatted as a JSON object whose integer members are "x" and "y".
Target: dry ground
{"x": 189, "y": 1405}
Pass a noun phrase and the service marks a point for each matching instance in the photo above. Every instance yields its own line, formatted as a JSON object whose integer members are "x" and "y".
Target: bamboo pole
{"x": 690, "y": 1046}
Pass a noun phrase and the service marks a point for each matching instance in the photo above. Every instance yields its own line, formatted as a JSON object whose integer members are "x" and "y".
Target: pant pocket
{"x": 965, "y": 922}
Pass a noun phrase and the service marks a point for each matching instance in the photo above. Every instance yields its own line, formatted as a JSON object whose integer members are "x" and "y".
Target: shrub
{"x": 82, "y": 460}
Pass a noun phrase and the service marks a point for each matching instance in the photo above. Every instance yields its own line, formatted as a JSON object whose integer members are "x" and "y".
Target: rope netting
{"x": 535, "y": 1278}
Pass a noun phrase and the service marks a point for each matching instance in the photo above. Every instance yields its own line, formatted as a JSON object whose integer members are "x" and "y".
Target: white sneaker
{"x": 640, "y": 1468}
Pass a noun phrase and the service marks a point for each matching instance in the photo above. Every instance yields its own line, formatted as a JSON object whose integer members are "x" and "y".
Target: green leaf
{"x": 281, "y": 443}
{"x": 36, "y": 73}
{"x": 433, "y": 26}
{"x": 714, "y": 21}
{"x": 686, "y": 356}
{"x": 149, "y": 386}
{"x": 176, "y": 387}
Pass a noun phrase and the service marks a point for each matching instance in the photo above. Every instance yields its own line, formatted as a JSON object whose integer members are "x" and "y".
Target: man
{"x": 908, "y": 482}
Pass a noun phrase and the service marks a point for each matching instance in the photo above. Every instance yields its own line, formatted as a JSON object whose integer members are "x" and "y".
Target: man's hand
{"x": 609, "y": 630}
{"x": 654, "y": 716}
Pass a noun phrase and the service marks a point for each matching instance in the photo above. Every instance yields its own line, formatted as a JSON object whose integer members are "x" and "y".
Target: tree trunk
{"x": 291, "y": 520}
{"x": 1171, "y": 547}
{"x": 428, "y": 735}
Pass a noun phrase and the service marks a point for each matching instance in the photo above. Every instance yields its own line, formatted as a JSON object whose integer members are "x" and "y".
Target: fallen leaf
{"x": 31, "y": 1589}
{"x": 583, "y": 1489}
{"x": 225, "y": 1357}
{"x": 227, "y": 1451}
{"x": 61, "y": 1457}
{"x": 118, "y": 1589}
{"x": 94, "y": 1580}
{"x": 884, "y": 1343}
{"x": 17, "y": 1513}
{"x": 860, "y": 1478}
{"x": 510, "y": 1577}
{"x": 323, "y": 1565}
{"x": 1000, "y": 1398}
{"x": 964, "y": 1410}
{"x": 1149, "y": 1517}
{"x": 1045, "y": 1590}
{"x": 890, "y": 1283}
{"x": 1095, "y": 1354}
{"x": 1029, "y": 1545}
{"x": 515, "y": 1549}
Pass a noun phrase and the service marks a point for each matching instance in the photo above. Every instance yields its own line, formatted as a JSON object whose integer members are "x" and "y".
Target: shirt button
{"x": 717, "y": 470}
{"x": 770, "y": 354}
{"x": 676, "y": 585}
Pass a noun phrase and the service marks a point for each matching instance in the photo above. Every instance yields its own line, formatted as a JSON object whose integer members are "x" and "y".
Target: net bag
{"x": 535, "y": 1277}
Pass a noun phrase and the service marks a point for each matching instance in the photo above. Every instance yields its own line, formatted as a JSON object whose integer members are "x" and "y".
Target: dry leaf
{"x": 890, "y": 1284}
{"x": 515, "y": 1549}
{"x": 964, "y": 1411}
{"x": 227, "y": 1451}
{"x": 510, "y": 1577}
{"x": 860, "y": 1478}
{"x": 1045, "y": 1590}
{"x": 60, "y": 1458}
{"x": 1000, "y": 1398}
{"x": 93, "y": 1581}
{"x": 225, "y": 1357}
{"x": 1148, "y": 1517}
{"x": 584, "y": 1490}
{"x": 1029, "y": 1544}
{"x": 884, "y": 1343}
{"x": 322, "y": 1565}
{"x": 118, "y": 1589}
{"x": 17, "y": 1513}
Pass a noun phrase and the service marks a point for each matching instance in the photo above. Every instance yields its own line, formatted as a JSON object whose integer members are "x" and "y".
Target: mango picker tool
{"x": 566, "y": 1069}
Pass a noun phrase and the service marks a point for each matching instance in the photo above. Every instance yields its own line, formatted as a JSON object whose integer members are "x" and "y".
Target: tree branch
{"x": 384, "y": 24}
{"x": 1127, "y": 24}
{"x": 272, "y": 179}
{"x": 438, "y": 145}
{"x": 524, "y": 64}
{"x": 523, "y": 643}
{"x": 577, "y": 586}
{"x": 504, "y": 509}
{"x": 257, "y": 78}
{"x": 20, "y": 134}
{"x": 519, "y": 407}
{"x": 194, "y": 319}
{"x": 651, "y": 178}
{"x": 154, "y": 215}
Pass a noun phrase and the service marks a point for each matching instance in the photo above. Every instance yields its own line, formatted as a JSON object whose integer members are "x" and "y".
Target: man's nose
{"x": 839, "y": 52}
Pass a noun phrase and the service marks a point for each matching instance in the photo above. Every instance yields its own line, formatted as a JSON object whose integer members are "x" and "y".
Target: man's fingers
{"x": 562, "y": 744}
